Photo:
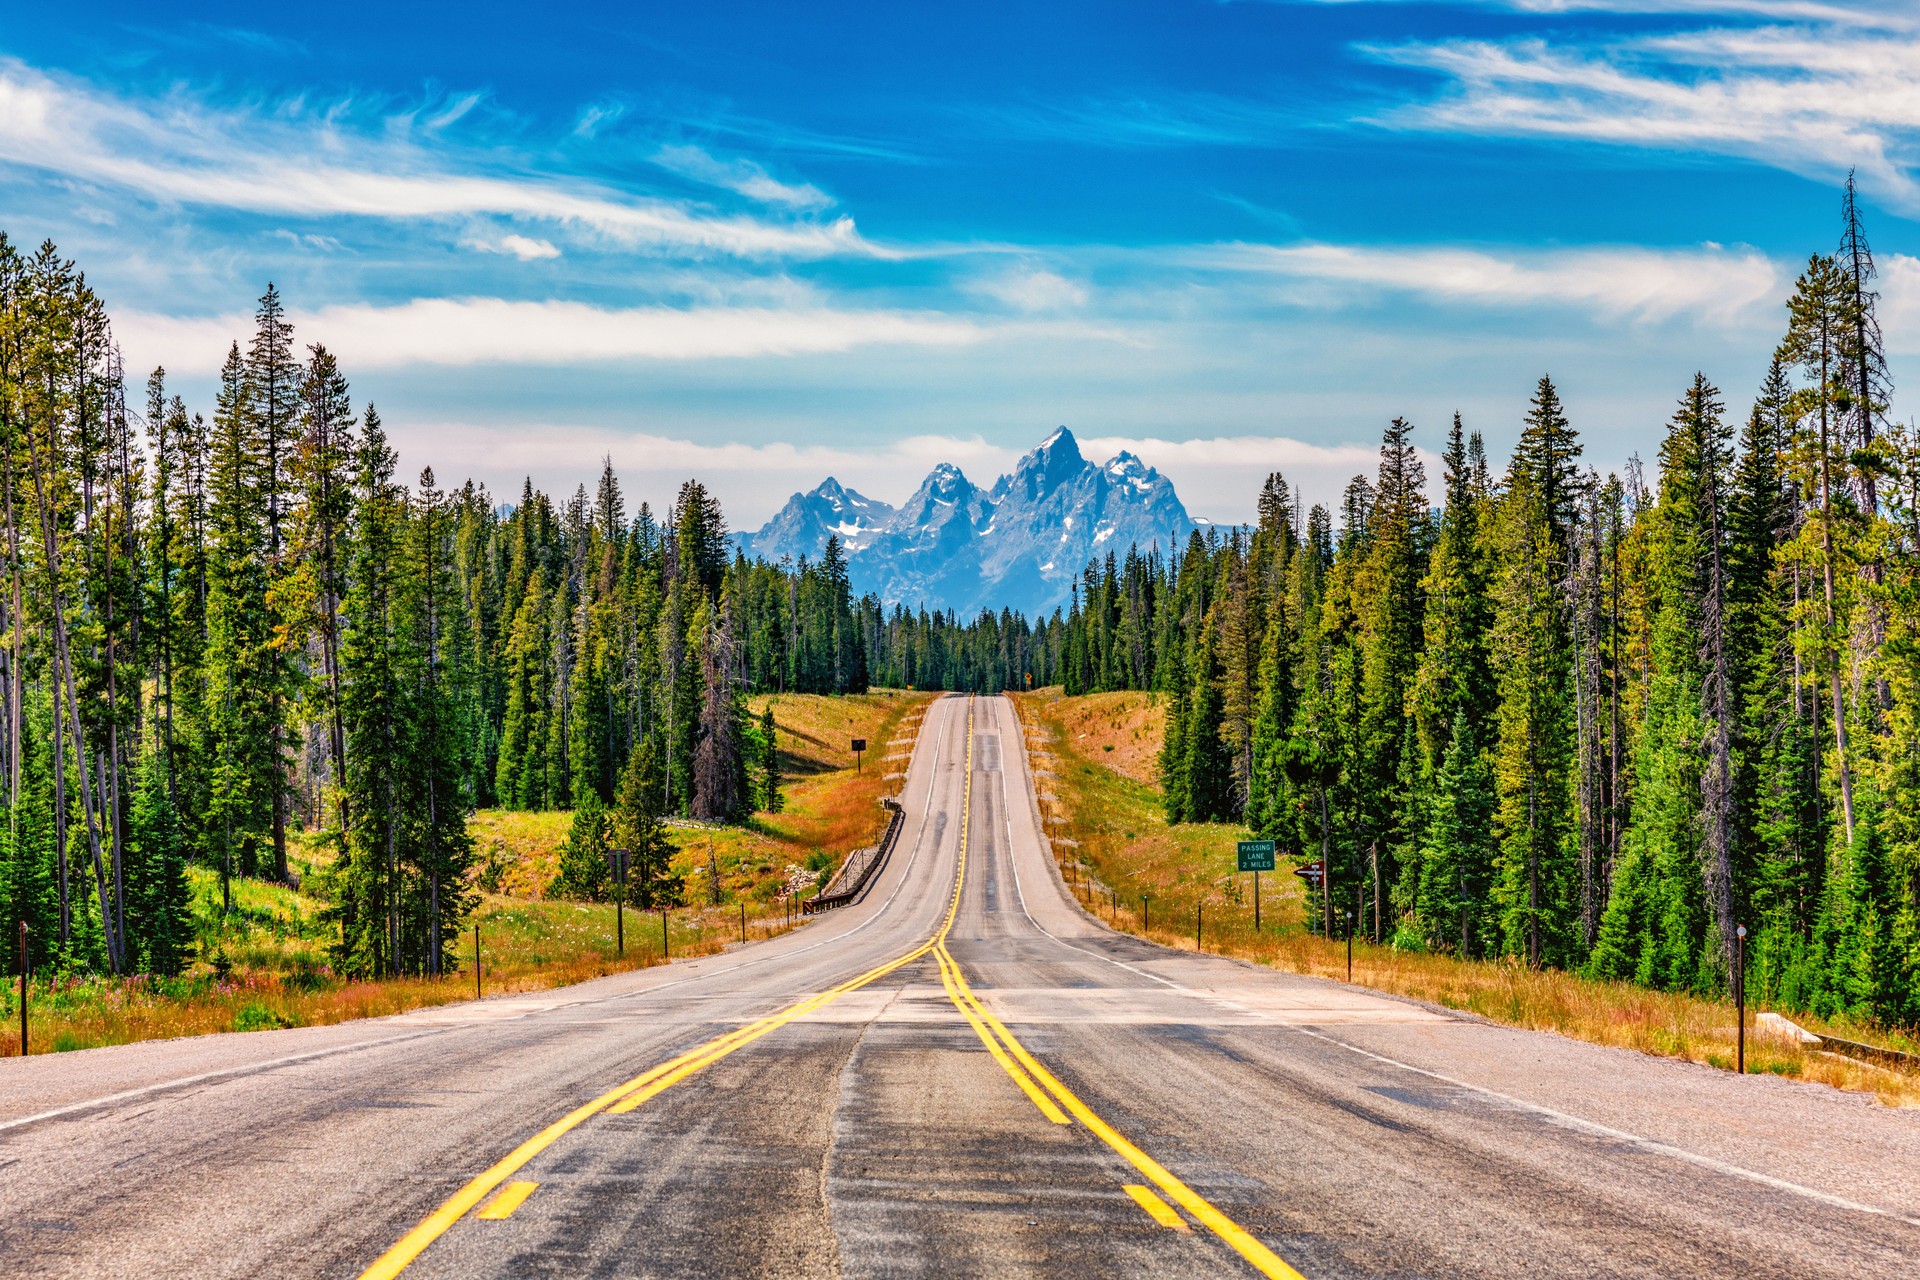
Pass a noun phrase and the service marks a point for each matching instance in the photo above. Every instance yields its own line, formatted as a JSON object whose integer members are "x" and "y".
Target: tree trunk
{"x": 1833, "y": 656}
{"x": 63, "y": 677}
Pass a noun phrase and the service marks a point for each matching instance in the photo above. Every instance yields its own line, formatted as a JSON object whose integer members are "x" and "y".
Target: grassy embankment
{"x": 266, "y": 964}
{"x": 1094, "y": 758}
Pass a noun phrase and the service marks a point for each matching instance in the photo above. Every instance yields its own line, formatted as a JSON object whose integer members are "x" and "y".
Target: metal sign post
{"x": 617, "y": 860}
{"x": 1740, "y": 993}
{"x": 23, "y": 988}
{"x": 859, "y": 745}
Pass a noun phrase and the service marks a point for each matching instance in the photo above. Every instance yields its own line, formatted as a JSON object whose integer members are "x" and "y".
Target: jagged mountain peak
{"x": 953, "y": 545}
{"x": 946, "y": 479}
{"x": 1053, "y": 462}
{"x": 804, "y": 524}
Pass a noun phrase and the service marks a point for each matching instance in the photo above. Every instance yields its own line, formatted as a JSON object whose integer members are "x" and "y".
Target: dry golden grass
{"x": 525, "y": 946}
{"x": 526, "y": 847}
{"x": 829, "y": 806}
{"x": 1120, "y": 730}
{"x": 1125, "y": 848}
{"x": 267, "y": 964}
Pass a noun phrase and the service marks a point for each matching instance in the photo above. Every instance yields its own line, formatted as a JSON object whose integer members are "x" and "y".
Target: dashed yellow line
{"x": 512, "y": 1197}
{"x": 1157, "y": 1209}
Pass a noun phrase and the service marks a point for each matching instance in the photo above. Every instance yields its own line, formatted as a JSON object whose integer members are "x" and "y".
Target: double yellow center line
{"x": 1055, "y": 1101}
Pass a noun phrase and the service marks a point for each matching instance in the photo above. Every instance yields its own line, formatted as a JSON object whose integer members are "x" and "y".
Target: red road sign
{"x": 1313, "y": 871}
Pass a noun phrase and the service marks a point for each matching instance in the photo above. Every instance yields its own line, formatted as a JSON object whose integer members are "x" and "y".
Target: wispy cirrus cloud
{"x": 292, "y": 160}
{"x": 1618, "y": 283}
{"x": 740, "y": 176}
{"x": 1814, "y": 98}
{"x": 473, "y": 331}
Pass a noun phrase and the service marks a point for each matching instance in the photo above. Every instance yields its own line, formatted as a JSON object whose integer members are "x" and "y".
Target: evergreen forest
{"x": 227, "y": 624}
{"x": 1601, "y": 723}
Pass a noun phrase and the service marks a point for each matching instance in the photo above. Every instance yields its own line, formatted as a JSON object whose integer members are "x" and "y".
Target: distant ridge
{"x": 953, "y": 545}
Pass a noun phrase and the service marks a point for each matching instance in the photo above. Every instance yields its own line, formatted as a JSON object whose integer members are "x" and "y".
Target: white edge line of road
{"x": 249, "y": 1068}
{"x": 183, "y": 1082}
{"x": 1651, "y": 1146}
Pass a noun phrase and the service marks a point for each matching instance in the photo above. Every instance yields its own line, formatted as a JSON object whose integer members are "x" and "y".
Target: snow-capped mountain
{"x": 808, "y": 518}
{"x": 953, "y": 545}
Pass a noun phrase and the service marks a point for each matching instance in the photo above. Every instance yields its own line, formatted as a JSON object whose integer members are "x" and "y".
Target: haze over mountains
{"x": 953, "y": 545}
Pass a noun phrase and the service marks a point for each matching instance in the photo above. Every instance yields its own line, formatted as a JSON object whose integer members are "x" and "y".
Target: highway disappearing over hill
{"x": 962, "y": 1074}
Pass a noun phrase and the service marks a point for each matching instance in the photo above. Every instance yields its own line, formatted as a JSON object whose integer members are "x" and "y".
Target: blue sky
{"x": 764, "y": 243}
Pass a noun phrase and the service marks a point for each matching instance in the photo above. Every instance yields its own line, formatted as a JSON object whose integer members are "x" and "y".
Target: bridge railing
{"x": 860, "y": 866}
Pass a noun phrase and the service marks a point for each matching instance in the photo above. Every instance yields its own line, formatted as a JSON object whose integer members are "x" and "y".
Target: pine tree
{"x": 584, "y": 872}
{"x": 310, "y": 596}
{"x": 1208, "y": 767}
{"x": 241, "y": 699}
{"x": 1548, "y": 454}
{"x": 520, "y": 781}
{"x": 272, "y": 405}
{"x": 435, "y": 644}
{"x": 1533, "y": 893}
{"x": 159, "y": 901}
{"x": 770, "y": 799}
{"x": 1456, "y": 866}
{"x": 1815, "y": 330}
{"x": 719, "y": 763}
{"x": 652, "y": 884}
{"x": 369, "y": 884}
{"x": 1671, "y": 921}
{"x": 1392, "y": 582}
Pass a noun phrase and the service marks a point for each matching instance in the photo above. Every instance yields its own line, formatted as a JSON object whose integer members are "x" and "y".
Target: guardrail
{"x": 860, "y": 870}
{"x": 1870, "y": 1052}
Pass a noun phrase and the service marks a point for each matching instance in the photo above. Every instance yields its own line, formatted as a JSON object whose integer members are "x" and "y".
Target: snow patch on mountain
{"x": 956, "y": 546}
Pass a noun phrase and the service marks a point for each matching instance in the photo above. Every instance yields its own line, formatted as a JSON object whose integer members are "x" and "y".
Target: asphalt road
{"x": 963, "y": 1074}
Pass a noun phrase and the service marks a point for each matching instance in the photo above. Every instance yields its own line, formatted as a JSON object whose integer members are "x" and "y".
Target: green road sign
{"x": 1256, "y": 855}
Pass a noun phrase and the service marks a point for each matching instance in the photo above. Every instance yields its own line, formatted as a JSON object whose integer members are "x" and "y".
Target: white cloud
{"x": 522, "y": 247}
{"x": 1030, "y": 289}
{"x": 294, "y": 162}
{"x": 470, "y": 331}
{"x": 1900, "y": 302}
{"x": 1642, "y": 284}
{"x": 751, "y": 480}
{"x": 1215, "y": 476}
{"x": 1810, "y": 98}
{"x": 743, "y": 177}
